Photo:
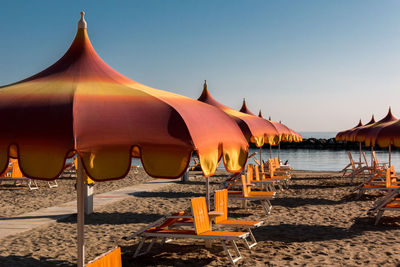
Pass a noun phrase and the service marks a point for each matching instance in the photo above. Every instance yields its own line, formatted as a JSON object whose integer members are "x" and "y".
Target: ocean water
{"x": 315, "y": 160}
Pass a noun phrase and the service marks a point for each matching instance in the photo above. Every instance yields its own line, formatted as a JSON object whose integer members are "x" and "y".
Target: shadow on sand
{"x": 25, "y": 261}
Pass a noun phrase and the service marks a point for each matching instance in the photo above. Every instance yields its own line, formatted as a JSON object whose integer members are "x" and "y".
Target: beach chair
{"x": 270, "y": 184}
{"x": 390, "y": 182}
{"x": 202, "y": 231}
{"x": 111, "y": 258}
{"x": 390, "y": 202}
{"x": 280, "y": 166}
{"x": 246, "y": 194}
{"x": 376, "y": 163}
{"x": 221, "y": 204}
{"x": 14, "y": 174}
{"x": 273, "y": 173}
{"x": 354, "y": 169}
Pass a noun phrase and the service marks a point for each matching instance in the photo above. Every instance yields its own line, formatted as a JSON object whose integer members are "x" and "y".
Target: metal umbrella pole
{"x": 270, "y": 151}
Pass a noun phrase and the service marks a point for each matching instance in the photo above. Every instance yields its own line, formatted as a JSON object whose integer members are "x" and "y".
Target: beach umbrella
{"x": 80, "y": 105}
{"x": 342, "y": 136}
{"x": 245, "y": 109}
{"x": 284, "y": 133}
{"x": 389, "y": 135}
{"x": 255, "y": 130}
{"x": 369, "y": 133}
{"x": 351, "y": 134}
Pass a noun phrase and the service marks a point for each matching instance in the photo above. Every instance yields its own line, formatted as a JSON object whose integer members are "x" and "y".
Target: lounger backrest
{"x": 351, "y": 159}
{"x": 109, "y": 259}
{"x": 365, "y": 159}
{"x": 390, "y": 172}
{"x": 245, "y": 188}
{"x": 16, "y": 171}
{"x": 250, "y": 172}
{"x": 200, "y": 215}
{"x": 271, "y": 166}
{"x": 262, "y": 171}
{"x": 376, "y": 163}
{"x": 221, "y": 204}
{"x": 276, "y": 162}
{"x": 256, "y": 173}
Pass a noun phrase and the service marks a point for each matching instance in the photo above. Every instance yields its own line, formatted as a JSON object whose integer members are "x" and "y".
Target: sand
{"x": 317, "y": 222}
{"x": 19, "y": 199}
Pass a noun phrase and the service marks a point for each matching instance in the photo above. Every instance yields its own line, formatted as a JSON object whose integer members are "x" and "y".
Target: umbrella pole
{"x": 372, "y": 157}
{"x": 80, "y": 212}
{"x": 260, "y": 155}
{"x": 390, "y": 155}
{"x": 208, "y": 193}
{"x": 360, "y": 151}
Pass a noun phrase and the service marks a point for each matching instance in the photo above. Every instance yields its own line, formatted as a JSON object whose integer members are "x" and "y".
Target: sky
{"x": 314, "y": 65}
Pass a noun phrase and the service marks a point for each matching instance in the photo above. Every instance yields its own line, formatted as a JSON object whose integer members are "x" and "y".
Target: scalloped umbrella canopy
{"x": 253, "y": 128}
{"x": 341, "y": 136}
{"x": 389, "y": 135}
{"x": 80, "y": 104}
{"x": 284, "y": 132}
{"x": 351, "y": 135}
{"x": 368, "y": 134}
{"x": 245, "y": 109}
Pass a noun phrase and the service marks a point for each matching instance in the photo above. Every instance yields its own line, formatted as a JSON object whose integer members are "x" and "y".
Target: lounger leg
{"x": 378, "y": 216}
{"x": 32, "y": 185}
{"x": 153, "y": 241}
{"x": 360, "y": 193}
{"x": 137, "y": 252}
{"x": 231, "y": 259}
{"x": 266, "y": 205}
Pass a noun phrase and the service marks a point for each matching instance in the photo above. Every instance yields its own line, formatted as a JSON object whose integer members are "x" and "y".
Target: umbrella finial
{"x": 82, "y": 22}
{"x": 269, "y": 118}
{"x": 260, "y": 114}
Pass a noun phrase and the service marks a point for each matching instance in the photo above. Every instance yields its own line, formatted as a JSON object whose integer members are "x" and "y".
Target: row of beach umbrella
{"x": 383, "y": 133}
{"x": 80, "y": 106}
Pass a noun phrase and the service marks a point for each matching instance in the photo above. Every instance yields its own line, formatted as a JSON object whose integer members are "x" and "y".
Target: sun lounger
{"x": 159, "y": 230}
{"x": 246, "y": 194}
{"x": 354, "y": 169}
{"x": 269, "y": 183}
{"x": 14, "y": 174}
{"x": 111, "y": 258}
{"x": 221, "y": 204}
{"x": 273, "y": 173}
{"x": 390, "y": 182}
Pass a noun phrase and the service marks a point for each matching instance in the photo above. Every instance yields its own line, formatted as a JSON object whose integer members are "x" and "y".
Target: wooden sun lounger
{"x": 390, "y": 202}
{"x": 254, "y": 176}
{"x": 355, "y": 169}
{"x": 202, "y": 231}
{"x": 390, "y": 182}
{"x": 246, "y": 194}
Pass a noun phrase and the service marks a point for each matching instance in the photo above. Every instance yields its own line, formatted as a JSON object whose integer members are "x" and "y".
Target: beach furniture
{"x": 111, "y": 258}
{"x": 354, "y": 169}
{"x": 202, "y": 231}
{"x": 13, "y": 173}
{"x": 376, "y": 163}
{"x": 389, "y": 182}
{"x": 273, "y": 173}
{"x": 270, "y": 184}
{"x": 246, "y": 194}
{"x": 221, "y": 205}
{"x": 280, "y": 166}
{"x": 390, "y": 202}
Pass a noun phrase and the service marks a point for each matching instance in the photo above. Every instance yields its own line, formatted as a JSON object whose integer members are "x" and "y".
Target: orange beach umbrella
{"x": 341, "y": 136}
{"x": 352, "y": 133}
{"x": 255, "y": 130}
{"x": 81, "y": 105}
{"x": 369, "y": 133}
{"x": 284, "y": 132}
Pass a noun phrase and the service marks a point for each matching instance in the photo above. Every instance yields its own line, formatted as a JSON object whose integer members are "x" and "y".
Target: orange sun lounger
{"x": 13, "y": 173}
{"x": 247, "y": 194}
{"x": 159, "y": 230}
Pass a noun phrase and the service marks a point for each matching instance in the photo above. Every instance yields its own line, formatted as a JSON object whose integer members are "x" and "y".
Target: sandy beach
{"x": 317, "y": 222}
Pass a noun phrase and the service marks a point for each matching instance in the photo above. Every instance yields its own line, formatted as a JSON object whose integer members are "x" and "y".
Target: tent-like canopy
{"x": 81, "y": 105}
{"x": 256, "y": 130}
{"x": 369, "y": 133}
{"x": 342, "y": 136}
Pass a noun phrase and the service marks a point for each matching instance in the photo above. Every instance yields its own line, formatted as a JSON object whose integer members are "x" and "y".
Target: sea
{"x": 315, "y": 160}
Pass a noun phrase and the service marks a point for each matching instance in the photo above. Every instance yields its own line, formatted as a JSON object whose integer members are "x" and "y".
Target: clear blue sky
{"x": 316, "y": 65}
